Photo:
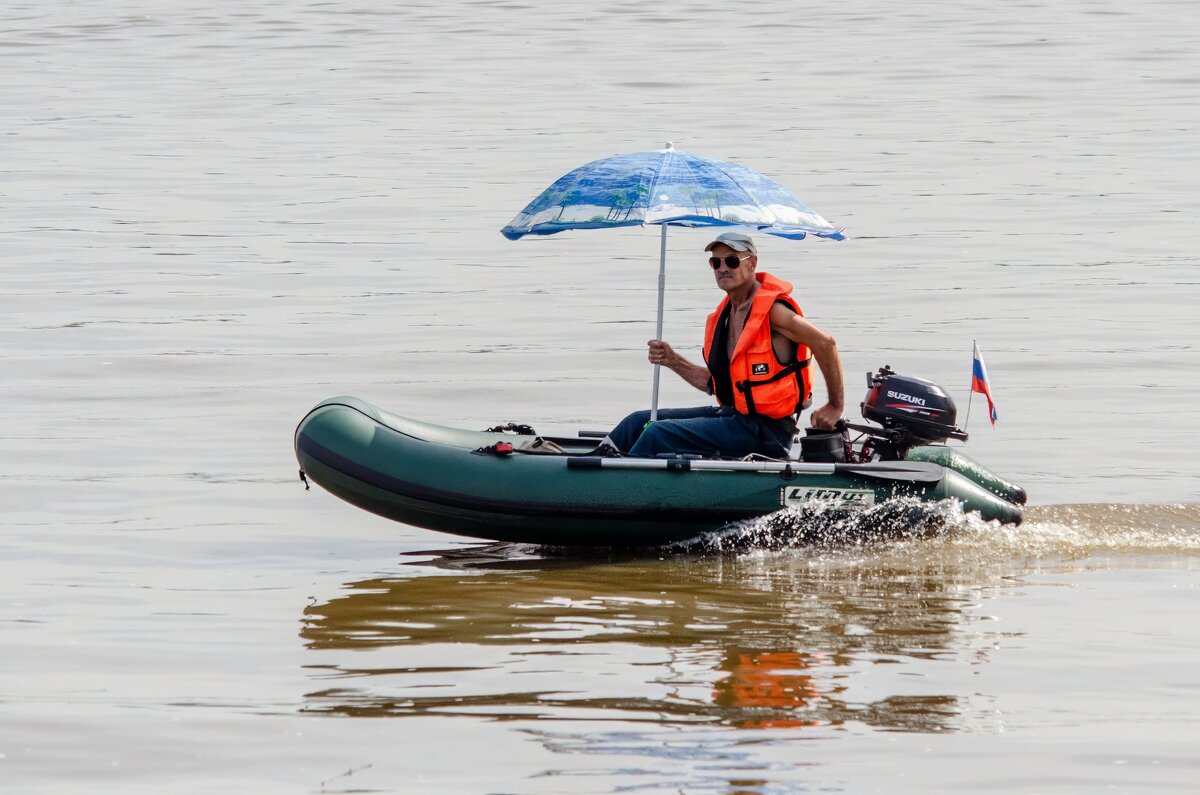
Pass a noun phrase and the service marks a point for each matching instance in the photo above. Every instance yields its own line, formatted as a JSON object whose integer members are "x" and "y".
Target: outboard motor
{"x": 912, "y": 411}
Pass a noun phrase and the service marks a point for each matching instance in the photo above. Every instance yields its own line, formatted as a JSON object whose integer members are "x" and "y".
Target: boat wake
{"x": 1048, "y": 531}
{"x": 824, "y": 524}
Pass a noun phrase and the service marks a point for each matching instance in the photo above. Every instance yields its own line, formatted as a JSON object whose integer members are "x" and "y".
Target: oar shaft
{"x": 699, "y": 465}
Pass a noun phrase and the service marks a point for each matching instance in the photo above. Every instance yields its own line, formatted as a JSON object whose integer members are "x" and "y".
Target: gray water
{"x": 212, "y": 217}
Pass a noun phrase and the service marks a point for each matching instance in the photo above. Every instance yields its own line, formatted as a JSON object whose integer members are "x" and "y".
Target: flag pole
{"x": 971, "y": 388}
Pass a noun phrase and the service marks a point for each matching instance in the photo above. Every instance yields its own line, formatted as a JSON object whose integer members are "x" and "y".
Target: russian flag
{"x": 979, "y": 382}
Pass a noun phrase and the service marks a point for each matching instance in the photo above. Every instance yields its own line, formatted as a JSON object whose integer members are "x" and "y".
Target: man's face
{"x": 732, "y": 278}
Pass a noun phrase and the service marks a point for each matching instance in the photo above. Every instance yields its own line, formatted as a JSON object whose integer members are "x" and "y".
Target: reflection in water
{"x": 765, "y": 641}
{"x": 777, "y": 681}
{"x": 882, "y": 635}
{"x": 699, "y": 670}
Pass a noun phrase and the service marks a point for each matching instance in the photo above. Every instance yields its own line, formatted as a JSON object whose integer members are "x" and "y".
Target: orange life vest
{"x": 761, "y": 383}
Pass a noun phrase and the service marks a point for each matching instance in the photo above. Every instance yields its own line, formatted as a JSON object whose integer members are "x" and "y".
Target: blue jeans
{"x": 707, "y": 430}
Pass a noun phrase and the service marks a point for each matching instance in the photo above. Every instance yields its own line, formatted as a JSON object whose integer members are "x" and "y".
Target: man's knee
{"x": 637, "y": 419}
{"x": 657, "y": 430}
{"x": 661, "y": 436}
{"x": 629, "y": 430}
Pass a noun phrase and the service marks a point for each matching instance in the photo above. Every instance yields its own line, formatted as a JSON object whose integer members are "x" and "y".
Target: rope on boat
{"x": 511, "y": 427}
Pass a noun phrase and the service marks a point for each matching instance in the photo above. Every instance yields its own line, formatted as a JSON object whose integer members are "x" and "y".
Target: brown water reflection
{"x": 765, "y": 641}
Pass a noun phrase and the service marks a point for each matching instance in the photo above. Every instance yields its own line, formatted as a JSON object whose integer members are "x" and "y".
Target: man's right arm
{"x": 824, "y": 350}
{"x": 664, "y": 354}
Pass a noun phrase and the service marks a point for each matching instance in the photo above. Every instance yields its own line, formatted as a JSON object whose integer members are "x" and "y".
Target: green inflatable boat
{"x": 507, "y": 484}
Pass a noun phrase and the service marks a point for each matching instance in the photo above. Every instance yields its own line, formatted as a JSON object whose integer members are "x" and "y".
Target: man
{"x": 758, "y": 349}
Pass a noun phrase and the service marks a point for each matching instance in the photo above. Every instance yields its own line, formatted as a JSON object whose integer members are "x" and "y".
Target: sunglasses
{"x": 730, "y": 262}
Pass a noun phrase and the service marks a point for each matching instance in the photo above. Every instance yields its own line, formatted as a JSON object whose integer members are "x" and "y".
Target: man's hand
{"x": 663, "y": 354}
{"x": 826, "y": 417}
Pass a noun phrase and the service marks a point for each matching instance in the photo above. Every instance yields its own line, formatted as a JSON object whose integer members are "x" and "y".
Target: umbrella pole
{"x": 662, "y": 287}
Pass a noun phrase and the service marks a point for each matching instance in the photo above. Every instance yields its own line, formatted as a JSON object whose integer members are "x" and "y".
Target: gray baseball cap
{"x": 738, "y": 241}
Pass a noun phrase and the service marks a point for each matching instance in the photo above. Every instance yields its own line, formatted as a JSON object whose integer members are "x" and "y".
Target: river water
{"x": 214, "y": 216}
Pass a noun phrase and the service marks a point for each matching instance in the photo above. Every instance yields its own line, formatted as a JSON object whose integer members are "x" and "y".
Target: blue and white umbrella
{"x": 668, "y": 188}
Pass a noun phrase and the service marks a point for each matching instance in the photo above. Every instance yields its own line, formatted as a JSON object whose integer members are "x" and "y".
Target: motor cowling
{"x": 921, "y": 410}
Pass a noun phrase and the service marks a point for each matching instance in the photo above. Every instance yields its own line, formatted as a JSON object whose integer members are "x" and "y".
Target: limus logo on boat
{"x": 916, "y": 401}
{"x": 850, "y": 498}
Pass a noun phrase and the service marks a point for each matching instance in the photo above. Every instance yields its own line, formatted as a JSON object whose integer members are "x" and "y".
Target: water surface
{"x": 211, "y": 218}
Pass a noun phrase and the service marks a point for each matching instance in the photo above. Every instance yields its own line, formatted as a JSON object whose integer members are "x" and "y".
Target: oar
{"x": 894, "y": 471}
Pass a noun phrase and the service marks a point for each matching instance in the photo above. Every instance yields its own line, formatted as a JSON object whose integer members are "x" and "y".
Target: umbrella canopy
{"x": 668, "y": 187}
